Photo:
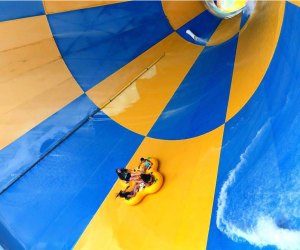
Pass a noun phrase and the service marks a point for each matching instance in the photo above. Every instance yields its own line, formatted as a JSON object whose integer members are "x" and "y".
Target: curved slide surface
{"x": 91, "y": 86}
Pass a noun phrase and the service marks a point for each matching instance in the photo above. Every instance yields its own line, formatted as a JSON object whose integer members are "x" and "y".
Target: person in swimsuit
{"x": 129, "y": 194}
{"x": 128, "y": 175}
{"x": 148, "y": 179}
{"x": 146, "y": 163}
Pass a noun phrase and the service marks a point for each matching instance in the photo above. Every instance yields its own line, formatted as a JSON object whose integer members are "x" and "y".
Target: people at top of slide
{"x": 230, "y": 5}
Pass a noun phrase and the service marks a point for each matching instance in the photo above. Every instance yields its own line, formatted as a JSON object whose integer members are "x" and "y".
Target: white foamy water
{"x": 265, "y": 232}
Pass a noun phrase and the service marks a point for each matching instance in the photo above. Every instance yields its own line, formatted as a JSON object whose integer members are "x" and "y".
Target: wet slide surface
{"x": 88, "y": 87}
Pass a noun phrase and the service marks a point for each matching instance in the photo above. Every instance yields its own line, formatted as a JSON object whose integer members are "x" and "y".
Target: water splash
{"x": 265, "y": 230}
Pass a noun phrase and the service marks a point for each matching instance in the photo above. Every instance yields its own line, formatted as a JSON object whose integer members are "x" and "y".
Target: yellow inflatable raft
{"x": 150, "y": 165}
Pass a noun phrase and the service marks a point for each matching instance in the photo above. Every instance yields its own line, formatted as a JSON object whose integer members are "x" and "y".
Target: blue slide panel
{"x": 202, "y": 26}
{"x": 98, "y": 41}
{"x": 19, "y": 156}
{"x": 10, "y": 10}
{"x": 257, "y": 192}
{"x": 199, "y": 105}
{"x": 246, "y": 13}
{"x": 50, "y": 206}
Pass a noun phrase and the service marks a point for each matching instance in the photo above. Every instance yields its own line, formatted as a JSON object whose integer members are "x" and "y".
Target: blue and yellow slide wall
{"x": 90, "y": 86}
